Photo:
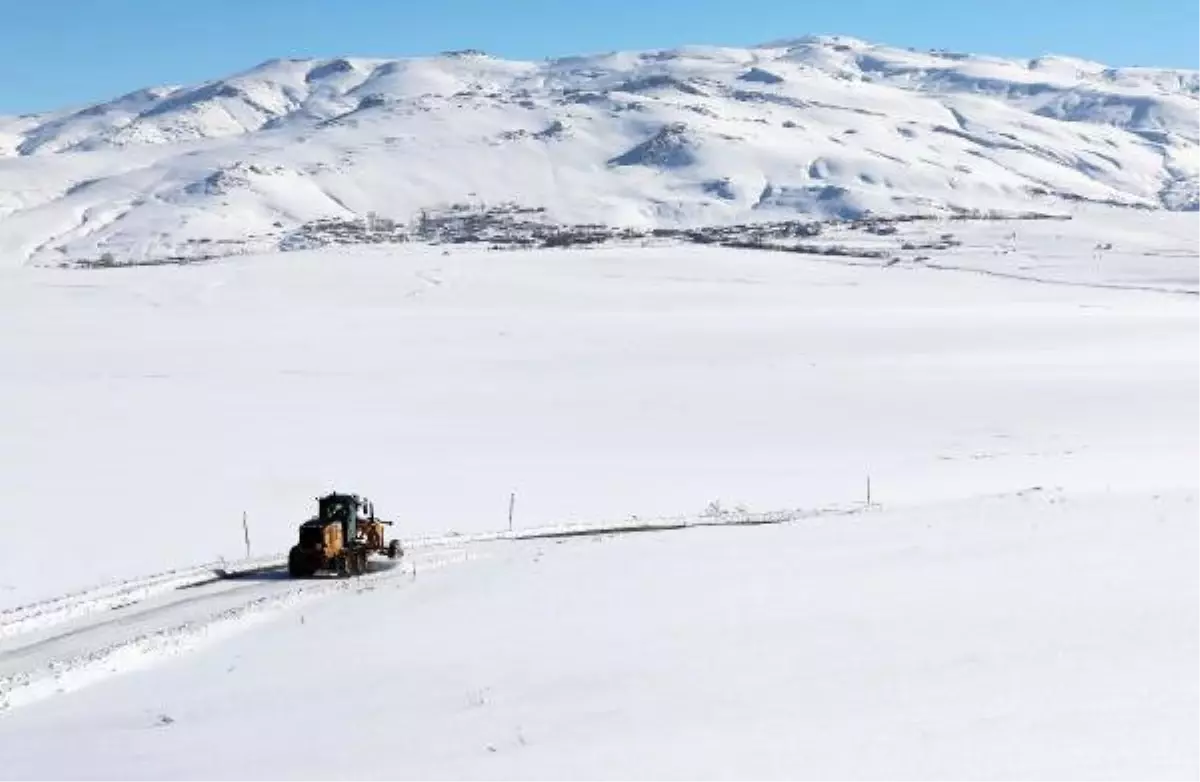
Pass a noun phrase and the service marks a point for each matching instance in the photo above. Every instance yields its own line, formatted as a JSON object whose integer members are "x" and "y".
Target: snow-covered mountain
{"x": 822, "y": 126}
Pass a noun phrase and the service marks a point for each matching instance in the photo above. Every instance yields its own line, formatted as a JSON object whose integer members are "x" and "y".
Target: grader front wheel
{"x": 355, "y": 563}
{"x": 299, "y": 565}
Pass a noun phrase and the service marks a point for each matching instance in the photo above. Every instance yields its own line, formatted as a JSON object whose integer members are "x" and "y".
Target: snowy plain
{"x": 1022, "y": 602}
{"x": 593, "y": 384}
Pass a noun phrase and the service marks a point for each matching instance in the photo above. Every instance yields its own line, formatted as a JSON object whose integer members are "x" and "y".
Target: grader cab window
{"x": 336, "y": 509}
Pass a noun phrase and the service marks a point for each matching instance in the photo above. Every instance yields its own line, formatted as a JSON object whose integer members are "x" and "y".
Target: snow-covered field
{"x": 1022, "y": 602}
{"x": 165, "y": 402}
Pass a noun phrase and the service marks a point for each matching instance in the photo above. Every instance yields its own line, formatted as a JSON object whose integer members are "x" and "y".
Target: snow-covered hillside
{"x": 829, "y": 127}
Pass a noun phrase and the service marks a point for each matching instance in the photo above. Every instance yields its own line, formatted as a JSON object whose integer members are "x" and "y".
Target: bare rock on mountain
{"x": 671, "y": 147}
{"x": 761, "y": 76}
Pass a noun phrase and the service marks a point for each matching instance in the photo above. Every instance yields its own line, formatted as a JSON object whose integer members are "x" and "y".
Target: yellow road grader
{"x": 340, "y": 538}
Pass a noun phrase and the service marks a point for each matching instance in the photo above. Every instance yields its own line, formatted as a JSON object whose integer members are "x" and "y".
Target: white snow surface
{"x": 593, "y": 384}
{"x": 1019, "y": 601}
{"x": 825, "y": 126}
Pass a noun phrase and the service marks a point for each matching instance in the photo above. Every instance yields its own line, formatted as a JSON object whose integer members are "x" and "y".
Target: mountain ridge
{"x": 818, "y": 126}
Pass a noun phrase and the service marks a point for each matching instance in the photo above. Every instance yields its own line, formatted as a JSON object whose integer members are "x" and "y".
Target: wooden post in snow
{"x": 512, "y": 500}
{"x": 246, "y": 534}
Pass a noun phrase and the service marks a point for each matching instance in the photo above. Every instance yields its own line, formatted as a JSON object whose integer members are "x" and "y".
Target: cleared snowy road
{"x": 70, "y": 642}
{"x": 96, "y": 644}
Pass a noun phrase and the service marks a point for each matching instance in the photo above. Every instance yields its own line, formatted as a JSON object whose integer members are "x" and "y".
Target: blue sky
{"x": 58, "y": 53}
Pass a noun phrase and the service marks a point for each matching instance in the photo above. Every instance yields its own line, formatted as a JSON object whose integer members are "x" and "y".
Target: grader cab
{"x": 340, "y": 538}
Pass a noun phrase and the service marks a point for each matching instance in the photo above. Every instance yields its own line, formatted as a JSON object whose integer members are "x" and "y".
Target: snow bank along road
{"x": 62, "y": 644}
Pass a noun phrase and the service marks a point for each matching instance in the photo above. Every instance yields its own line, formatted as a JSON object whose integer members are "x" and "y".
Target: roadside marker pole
{"x": 512, "y": 500}
{"x": 246, "y": 534}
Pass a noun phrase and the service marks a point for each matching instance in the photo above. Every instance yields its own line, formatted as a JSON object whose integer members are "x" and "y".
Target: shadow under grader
{"x": 274, "y": 573}
{"x": 280, "y": 573}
